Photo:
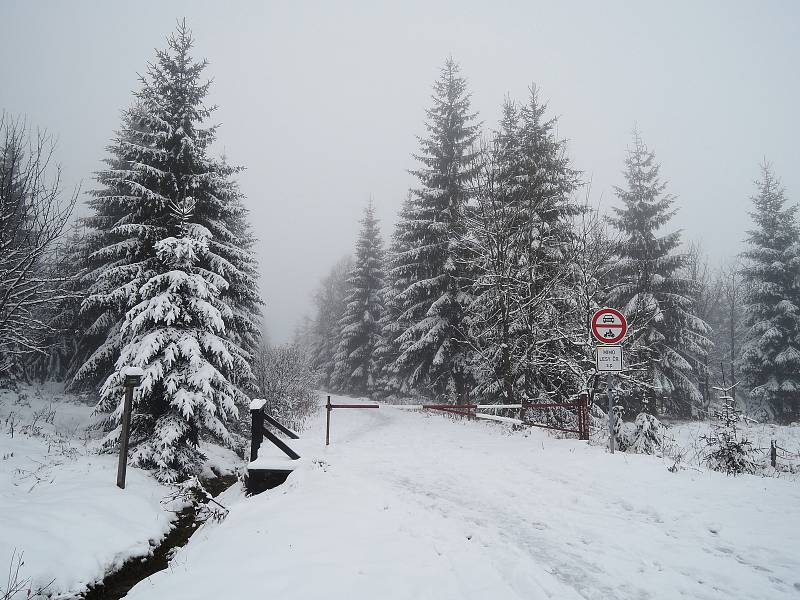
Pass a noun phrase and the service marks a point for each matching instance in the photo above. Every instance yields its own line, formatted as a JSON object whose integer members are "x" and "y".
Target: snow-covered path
{"x": 406, "y": 505}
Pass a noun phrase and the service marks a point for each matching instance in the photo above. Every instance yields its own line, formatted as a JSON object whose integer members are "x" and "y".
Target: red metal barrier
{"x": 329, "y": 408}
{"x": 581, "y": 404}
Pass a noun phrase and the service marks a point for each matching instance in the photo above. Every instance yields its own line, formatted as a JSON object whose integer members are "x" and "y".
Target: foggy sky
{"x": 322, "y": 101}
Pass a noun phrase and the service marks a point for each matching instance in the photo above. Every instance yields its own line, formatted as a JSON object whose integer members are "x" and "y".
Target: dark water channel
{"x": 117, "y": 584}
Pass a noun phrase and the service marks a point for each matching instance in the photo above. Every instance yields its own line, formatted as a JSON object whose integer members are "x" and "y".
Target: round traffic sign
{"x": 609, "y": 326}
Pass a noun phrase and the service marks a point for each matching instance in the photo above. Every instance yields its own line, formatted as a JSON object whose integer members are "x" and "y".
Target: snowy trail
{"x": 409, "y": 505}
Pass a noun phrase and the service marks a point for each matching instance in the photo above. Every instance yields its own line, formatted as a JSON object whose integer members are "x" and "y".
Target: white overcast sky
{"x": 322, "y": 101}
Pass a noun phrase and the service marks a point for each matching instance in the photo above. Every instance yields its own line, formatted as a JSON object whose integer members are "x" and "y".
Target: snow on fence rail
{"x": 498, "y": 418}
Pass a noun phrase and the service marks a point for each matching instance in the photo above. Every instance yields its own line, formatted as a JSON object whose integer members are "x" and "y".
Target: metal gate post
{"x": 329, "y": 408}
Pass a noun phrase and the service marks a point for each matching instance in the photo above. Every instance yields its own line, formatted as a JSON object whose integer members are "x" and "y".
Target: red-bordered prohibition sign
{"x": 609, "y": 326}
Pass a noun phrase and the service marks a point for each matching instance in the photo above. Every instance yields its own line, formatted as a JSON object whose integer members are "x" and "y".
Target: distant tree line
{"x": 498, "y": 260}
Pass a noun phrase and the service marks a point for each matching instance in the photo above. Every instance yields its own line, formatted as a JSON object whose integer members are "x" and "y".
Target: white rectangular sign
{"x": 609, "y": 358}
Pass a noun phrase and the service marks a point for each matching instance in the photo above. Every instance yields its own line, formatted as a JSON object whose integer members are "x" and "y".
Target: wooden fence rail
{"x": 331, "y": 407}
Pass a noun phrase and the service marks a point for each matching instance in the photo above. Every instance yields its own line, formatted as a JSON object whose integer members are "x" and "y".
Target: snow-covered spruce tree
{"x": 490, "y": 244}
{"x": 527, "y": 328}
{"x": 428, "y": 296}
{"x": 771, "y": 352}
{"x": 391, "y": 325}
{"x": 325, "y": 331}
{"x": 159, "y": 156}
{"x": 696, "y": 269}
{"x": 176, "y": 334}
{"x": 160, "y": 161}
{"x": 550, "y": 324}
{"x": 647, "y": 435}
{"x": 656, "y": 297}
{"x": 727, "y": 449}
{"x": 355, "y": 363}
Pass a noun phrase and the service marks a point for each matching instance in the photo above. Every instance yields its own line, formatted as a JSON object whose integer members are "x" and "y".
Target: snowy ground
{"x": 59, "y": 504}
{"x": 407, "y": 505}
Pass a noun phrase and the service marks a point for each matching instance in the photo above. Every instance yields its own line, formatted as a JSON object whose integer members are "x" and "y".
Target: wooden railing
{"x": 259, "y": 432}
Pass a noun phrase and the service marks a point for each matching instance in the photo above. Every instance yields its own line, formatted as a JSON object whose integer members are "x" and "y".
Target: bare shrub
{"x": 33, "y": 216}
{"x": 287, "y": 380}
{"x": 18, "y": 586}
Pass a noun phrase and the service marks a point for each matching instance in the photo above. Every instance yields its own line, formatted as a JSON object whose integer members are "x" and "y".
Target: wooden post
{"x": 773, "y": 453}
{"x": 133, "y": 376}
{"x": 329, "y": 408}
{"x": 256, "y": 431}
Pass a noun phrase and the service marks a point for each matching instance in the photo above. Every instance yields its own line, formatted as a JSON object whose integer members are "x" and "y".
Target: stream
{"x": 117, "y": 584}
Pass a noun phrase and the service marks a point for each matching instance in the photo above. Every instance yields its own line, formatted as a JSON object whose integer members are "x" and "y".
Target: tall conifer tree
{"x": 391, "y": 325}
{"x": 356, "y": 367}
{"x": 325, "y": 329}
{"x": 176, "y": 334}
{"x": 429, "y": 298}
{"x": 771, "y": 352}
{"x": 136, "y": 311}
{"x": 520, "y": 238}
{"x": 666, "y": 336}
{"x": 545, "y": 322}
{"x": 493, "y": 226}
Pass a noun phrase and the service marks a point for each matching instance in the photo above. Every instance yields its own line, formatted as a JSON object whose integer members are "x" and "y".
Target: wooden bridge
{"x": 267, "y": 472}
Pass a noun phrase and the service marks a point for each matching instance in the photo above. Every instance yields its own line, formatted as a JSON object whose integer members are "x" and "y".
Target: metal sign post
{"x": 609, "y": 327}
{"x": 610, "y": 392}
{"x": 133, "y": 377}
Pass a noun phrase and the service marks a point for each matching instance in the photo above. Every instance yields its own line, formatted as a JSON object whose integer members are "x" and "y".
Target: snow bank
{"x": 59, "y": 504}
